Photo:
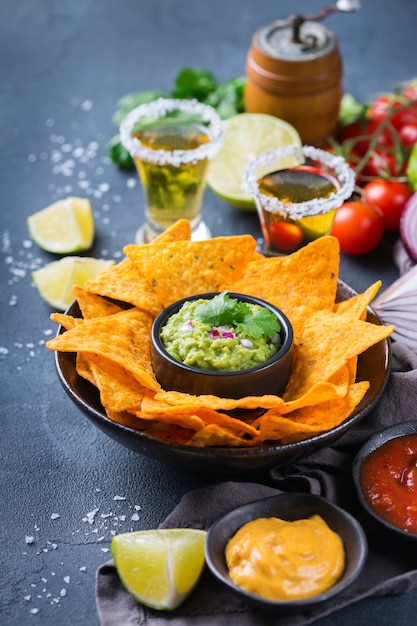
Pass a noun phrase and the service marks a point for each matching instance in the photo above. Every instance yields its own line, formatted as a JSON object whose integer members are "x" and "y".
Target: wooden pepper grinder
{"x": 294, "y": 71}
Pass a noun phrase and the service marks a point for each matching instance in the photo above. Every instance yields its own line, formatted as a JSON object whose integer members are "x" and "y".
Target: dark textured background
{"x": 63, "y": 66}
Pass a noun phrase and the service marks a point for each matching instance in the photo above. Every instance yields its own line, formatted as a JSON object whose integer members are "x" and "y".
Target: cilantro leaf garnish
{"x": 222, "y": 310}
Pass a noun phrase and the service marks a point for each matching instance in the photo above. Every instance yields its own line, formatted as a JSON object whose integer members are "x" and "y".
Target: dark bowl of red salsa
{"x": 385, "y": 475}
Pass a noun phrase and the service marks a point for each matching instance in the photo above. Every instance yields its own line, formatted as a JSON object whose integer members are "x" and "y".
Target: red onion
{"x": 408, "y": 227}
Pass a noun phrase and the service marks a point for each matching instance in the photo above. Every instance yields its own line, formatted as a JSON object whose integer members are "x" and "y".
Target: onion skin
{"x": 408, "y": 227}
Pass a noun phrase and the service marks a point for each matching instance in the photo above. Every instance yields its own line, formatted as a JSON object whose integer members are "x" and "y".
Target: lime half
{"x": 159, "y": 568}
{"x": 64, "y": 227}
{"x": 246, "y": 136}
{"x": 55, "y": 281}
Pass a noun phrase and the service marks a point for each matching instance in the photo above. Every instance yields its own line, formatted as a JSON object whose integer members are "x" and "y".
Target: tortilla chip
{"x": 126, "y": 283}
{"x": 66, "y": 321}
{"x": 92, "y": 305}
{"x": 313, "y": 420}
{"x": 119, "y": 389}
{"x": 355, "y": 307}
{"x": 177, "y": 398}
{"x": 327, "y": 342}
{"x": 123, "y": 338}
{"x": 198, "y": 266}
{"x": 213, "y": 435}
{"x": 299, "y": 284}
{"x": 180, "y": 231}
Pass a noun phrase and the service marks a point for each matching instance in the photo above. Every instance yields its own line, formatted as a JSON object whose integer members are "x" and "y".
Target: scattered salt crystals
{"x": 34, "y": 611}
{"x": 27, "y": 598}
{"x": 138, "y": 507}
{"x": 29, "y": 539}
{"x": 66, "y": 579}
{"x": 90, "y": 516}
{"x": 87, "y": 105}
{"x": 4, "y": 350}
{"x": 105, "y": 549}
{"x": 63, "y": 593}
{"x": 134, "y": 517}
{"x": 55, "y": 516}
{"x": 82, "y": 568}
{"x": 119, "y": 498}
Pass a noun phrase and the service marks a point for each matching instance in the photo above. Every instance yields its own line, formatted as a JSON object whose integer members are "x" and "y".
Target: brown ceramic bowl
{"x": 290, "y": 507}
{"x": 270, "y": 377}
{"x": 374, "y": 443}
{"x": 373, "y": 365}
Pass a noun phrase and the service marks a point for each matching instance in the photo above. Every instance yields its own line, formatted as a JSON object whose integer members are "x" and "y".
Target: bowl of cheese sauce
{"x": 287, "y": 553}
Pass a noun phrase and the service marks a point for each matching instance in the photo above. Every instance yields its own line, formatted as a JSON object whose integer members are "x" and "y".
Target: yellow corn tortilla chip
{"x": 214, "y": 435}
{"x": 355, "y": 307}
{"x": 119, "y": 389}
{"x": 327, "y": 342}
{"x": 180, "y": 231}
{"x": 298, "y": 284}
{"x": 311, "y": 420}
{"x": 126, "y": 283}
{"x": 93, "y": 305}
{"x": 198, "y": 266}
{"x": 123, "y": 338}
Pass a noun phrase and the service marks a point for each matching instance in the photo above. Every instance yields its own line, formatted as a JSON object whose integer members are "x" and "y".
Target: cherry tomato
{"x": 390, "y": 197}
{"x": 408, "y": 134}
{"x": 385, "y": 105}
{"x": 285, "y": 236}
{"x": 358, "y": 227}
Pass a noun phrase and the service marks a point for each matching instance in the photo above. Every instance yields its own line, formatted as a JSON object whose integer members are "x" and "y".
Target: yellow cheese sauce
{"x": 285, "y": 561}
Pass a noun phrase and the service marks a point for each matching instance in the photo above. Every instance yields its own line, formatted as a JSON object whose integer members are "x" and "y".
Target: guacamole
{"x": 215, "y": 347}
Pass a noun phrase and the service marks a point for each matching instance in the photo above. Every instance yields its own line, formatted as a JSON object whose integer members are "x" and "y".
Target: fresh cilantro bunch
{"x": 189, "y": 83}
{"x": 222, "y": 310}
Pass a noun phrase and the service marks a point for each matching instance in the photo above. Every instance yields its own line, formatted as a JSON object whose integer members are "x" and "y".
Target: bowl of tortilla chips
{"x": 340, "y": 367}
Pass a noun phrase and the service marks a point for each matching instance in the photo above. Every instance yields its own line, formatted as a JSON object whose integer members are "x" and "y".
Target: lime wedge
{"x": 64, "y": 227}
{"x": 159, "y": 568}
{"x": 245, "y": 136}
{"x": 55, "y": 281}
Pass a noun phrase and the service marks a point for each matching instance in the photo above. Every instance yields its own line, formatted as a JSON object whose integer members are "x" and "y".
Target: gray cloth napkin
{"x": 390, "y": 566}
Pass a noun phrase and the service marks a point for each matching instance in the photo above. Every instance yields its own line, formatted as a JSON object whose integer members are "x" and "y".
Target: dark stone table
{"x": 65, "y": 486}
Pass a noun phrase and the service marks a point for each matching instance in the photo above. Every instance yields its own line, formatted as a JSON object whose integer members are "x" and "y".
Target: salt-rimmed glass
{"x": 289, "y": 225}
{"x": 172, "y": 176}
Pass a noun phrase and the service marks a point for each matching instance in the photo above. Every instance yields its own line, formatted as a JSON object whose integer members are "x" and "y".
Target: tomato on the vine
{"x": 390, "y": 197}
{"x": 383, "y": 164}
{"x": 359, "y": 135}
{"x": 386, "y": 105}
{"x": 358, "y": 227}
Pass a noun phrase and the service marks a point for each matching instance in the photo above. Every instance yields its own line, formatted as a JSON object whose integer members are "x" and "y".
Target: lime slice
{"x": 159, "y": 568}
{"x": 56, "y": 280}
{"x": 63, "y": 227}
{"x": 245, "y": 136}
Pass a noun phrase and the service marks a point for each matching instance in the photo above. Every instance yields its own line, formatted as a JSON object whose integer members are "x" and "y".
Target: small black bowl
{"x": 376, "y": 441}
{"x": 270, "y": 377}
{"x": 290, "y": 507}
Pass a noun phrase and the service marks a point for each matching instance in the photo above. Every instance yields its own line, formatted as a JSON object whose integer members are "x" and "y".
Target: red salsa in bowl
{"x": 385, "y": 473}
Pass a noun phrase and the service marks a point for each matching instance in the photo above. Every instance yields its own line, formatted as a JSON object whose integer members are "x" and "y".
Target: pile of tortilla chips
{"x": 112, "y": 339}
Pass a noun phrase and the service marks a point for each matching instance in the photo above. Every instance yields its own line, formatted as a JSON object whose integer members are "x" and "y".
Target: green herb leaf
{"x": 191, "y": 82}
{"x": 131, "y": 101}
{"x": 351, "y": 110}
{"x": 259, "y": 324}
{"x": 119, "y": 155}
{"x": 225, "y": 311}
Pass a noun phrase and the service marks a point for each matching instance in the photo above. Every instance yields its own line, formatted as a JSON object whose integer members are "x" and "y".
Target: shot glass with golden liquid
{"x": 171, "y": 142}
{"x": 297, "y": 191}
